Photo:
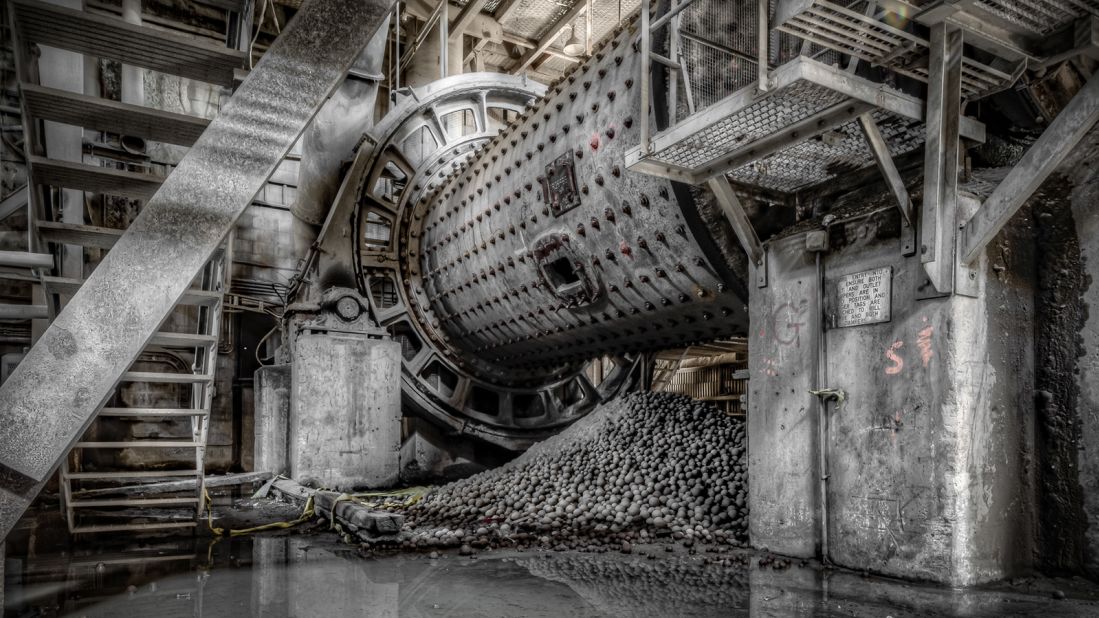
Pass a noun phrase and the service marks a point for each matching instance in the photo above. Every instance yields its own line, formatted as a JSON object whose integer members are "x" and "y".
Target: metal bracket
{"x": 966, "y": 275}
{"x": 761, "y": 271}
{"x": 909, "y": 239}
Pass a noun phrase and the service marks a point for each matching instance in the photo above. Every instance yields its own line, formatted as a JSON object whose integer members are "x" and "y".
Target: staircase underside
{"x": 88, "y": 348}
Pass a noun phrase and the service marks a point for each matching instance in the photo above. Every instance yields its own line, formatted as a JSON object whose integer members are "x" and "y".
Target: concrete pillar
{"x": 782, "y": 494}
{"x": 927, "y": 455}
{"x": 345, "y": 411}
{"x": 272, "y": 419}
{"x": 1073, "y": 267}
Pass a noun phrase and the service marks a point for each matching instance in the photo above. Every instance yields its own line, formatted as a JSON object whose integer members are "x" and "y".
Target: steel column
{"x": 940, "y": 192}
{"x": 97, "y": 336}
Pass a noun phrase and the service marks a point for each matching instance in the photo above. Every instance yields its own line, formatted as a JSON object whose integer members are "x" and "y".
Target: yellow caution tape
{"x": 410, "y": 495}
{"x": 307, "y": 513}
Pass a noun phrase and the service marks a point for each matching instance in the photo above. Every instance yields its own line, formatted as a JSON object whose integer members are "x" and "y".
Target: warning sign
{"x": 864, "y": 298}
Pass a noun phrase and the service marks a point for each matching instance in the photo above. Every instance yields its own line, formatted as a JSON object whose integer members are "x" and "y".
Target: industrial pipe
{"x": 334, "y": 133}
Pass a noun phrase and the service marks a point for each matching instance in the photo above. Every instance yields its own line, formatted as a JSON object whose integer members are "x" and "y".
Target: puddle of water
{"x": 284, "y": 576}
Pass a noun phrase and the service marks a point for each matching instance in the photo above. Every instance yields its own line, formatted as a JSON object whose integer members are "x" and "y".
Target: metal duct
{"x": 333, "y": 135}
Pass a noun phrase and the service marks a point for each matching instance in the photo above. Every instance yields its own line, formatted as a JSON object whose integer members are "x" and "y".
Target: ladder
{"x": 155, "y": 425}
{"x": 97, "y": 491}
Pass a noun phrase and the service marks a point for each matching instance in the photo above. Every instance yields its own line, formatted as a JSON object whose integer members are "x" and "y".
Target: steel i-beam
{"x": 938, "y": 224}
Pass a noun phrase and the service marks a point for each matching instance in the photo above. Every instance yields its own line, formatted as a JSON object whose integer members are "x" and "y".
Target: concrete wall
{"x": 345, "y": 411}
{"x": 928, "y": 473}
{"x": 1078, "y": 420}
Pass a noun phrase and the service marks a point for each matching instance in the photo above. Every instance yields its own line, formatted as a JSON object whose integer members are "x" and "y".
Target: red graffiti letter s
{"x": 898, "y": 362}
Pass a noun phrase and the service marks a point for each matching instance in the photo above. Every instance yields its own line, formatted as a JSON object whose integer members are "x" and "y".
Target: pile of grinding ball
{"x": 646, "y": 468}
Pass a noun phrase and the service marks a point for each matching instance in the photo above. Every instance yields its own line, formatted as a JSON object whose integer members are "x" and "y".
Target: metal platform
{"x": 1011, "y": 29}
{"x": 799, "y": 132}
{"x": 106, "y": 115}
{"x": 834, "y": 26}
{"x": 95, "y": 178}
{"x": 110, "y": 37}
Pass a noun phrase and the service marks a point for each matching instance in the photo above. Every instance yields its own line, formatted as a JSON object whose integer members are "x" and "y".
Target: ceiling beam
{"x": 526, "y": 43}
{"x": 505, "y": 8}
{"x": 551, "y": 35}
{"x": 471, "y": 10}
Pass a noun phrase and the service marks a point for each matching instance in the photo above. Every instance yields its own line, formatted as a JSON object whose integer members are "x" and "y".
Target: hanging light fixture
{"x": 574, "y": 47}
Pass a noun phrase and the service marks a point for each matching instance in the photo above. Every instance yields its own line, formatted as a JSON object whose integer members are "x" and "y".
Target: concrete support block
{"x": 345, "y": 411}
{"x": 927, "y": 473}
{"x": 428, "y": 456}
{"x": 272, "y": 419}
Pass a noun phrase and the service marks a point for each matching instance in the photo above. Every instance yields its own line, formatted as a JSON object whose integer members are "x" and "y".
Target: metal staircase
{"x": 163, "y": 258}
{"x": 126, "y": 446}
{"x": 98, "y": 494}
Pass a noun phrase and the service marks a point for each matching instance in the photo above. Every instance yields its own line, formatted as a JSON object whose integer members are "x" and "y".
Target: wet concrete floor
{"x": 314, "y": 575}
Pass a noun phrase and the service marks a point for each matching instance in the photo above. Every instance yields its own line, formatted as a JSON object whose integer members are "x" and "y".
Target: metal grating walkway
{"x": 799, "y": 132}
{"x": 839, "y": 28}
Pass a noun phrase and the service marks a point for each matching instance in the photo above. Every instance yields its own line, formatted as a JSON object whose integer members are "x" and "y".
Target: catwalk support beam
{"x": 1056, "y": 143}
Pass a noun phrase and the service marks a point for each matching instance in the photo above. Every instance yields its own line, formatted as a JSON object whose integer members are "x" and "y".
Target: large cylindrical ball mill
{"x": 528, "y": 252}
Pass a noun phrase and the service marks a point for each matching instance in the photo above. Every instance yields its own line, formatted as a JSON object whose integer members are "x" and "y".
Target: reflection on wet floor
{"x": 314, "y": 576}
